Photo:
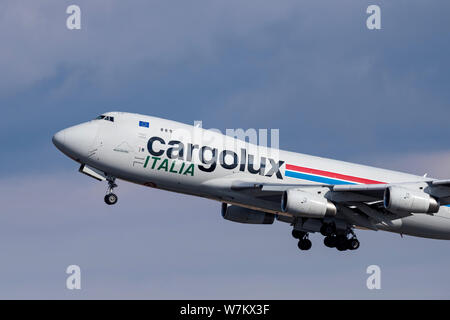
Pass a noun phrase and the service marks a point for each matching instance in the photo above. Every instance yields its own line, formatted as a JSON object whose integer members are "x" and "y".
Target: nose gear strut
{"x": 110, "y": 197}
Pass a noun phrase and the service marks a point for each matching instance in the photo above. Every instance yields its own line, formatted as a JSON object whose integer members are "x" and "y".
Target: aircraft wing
{"x": 362, "y": 205}
{"x": 440, "y": 189}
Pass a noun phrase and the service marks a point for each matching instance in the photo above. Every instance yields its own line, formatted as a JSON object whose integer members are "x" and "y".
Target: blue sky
{"x": 310, "y": 68}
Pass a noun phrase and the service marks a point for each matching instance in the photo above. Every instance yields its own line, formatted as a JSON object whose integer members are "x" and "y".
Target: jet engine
{"x": 305, "y": 204}
{"x": 406, "y": 200}
{"x": 245, "y": 215}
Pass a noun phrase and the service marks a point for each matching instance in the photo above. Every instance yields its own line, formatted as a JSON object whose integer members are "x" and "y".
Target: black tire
{"x": 304, "y": 244}
{"x": 327, "y": 229}
{"x": 330, "y": 241}
{"x": 341, "y": 243}
{"x": 111, "y": 199}
{"x": 298, "y": 234}
{"x": 352, "y": 244}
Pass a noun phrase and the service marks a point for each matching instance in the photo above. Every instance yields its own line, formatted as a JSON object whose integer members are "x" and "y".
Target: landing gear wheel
{"x": 304, "y": 244}
{"x": 327, "y": 229}
{"x": 111, "y": 199}
{"x": 341, "y": 243}
{"x": 330, "y": 241}
{"x": 298, "y": 234}
{"x": 352, "y": 244}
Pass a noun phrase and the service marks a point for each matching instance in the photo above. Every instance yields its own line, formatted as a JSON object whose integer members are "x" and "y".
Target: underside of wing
{"x": 365, "y": 205}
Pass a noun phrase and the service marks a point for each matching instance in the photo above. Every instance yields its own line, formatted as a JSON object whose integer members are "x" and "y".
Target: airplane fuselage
{"x": 182, "y": 158}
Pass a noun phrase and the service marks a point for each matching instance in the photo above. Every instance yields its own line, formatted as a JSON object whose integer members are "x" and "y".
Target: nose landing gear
{"x": 110, "y": 197}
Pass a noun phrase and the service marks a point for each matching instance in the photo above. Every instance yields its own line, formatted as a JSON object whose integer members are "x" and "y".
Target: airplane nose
{"x": 76, "y": 141}
{"x": 59, "y": 139}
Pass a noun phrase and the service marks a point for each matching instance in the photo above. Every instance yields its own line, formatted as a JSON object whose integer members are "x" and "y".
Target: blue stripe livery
{"x": 304, "y": 176}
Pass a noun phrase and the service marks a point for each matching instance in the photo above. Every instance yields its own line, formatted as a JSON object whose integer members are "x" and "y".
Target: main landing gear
{"x": 303, "y": 239}
{"x": 341, "y": 240}
{"x": 110, "y": 197}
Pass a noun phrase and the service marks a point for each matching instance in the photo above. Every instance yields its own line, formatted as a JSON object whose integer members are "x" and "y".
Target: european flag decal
{"x": 143, "y": 124}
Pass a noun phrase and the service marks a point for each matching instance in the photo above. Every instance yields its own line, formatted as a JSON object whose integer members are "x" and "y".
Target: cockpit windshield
{"x": 103, "y": 117}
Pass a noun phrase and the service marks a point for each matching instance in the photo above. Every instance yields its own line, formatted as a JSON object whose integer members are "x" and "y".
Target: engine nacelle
{"x": 305, "y": 204}
{"x": 245, "y": 215}
{"x": 406, "y": 200}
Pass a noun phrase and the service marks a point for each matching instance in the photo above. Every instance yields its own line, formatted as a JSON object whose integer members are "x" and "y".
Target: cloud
{"x": 434, "y": 164}
{"x": 310, "y": 69}
{"x": 117, "y": 36}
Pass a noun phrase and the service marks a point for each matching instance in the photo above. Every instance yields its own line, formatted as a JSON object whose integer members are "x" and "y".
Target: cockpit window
{"x": 103, "y": 117}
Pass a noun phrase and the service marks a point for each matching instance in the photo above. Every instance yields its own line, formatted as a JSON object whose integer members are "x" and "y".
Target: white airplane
{"x": 255, "y": 184}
